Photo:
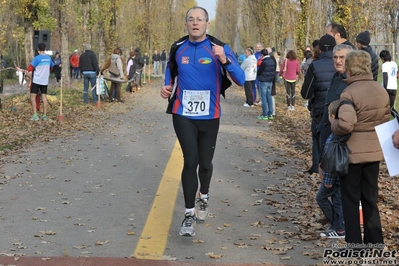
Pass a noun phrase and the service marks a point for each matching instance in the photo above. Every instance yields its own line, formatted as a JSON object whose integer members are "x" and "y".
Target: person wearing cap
{"x": 363, "y": 43}
{"x": 88, "y": 66}
{"x": 74, "y": 60}
{"x": 315, "y": 86}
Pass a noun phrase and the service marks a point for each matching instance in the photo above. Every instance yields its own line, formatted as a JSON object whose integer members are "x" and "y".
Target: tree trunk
{"x": 29, "y": 49}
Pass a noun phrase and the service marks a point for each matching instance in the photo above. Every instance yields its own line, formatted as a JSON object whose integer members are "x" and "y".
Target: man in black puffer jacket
{"x": 315, "y": 86}
{"x": 363, "y": 43}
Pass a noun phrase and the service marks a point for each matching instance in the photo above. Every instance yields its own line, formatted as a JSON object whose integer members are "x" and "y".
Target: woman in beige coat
{"x": 371, "y": 103}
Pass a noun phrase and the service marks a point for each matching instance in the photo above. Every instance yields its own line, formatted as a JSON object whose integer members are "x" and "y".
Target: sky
{"x": 210, "y": 6}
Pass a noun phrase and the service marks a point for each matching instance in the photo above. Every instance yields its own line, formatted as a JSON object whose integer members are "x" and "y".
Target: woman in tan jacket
{"x": 116, "y": 78}
{"x": 371, "y": 103}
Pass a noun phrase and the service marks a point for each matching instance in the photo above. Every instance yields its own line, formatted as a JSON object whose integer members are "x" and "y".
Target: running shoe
{"x": 333, "y": 234}
{"x": 34, "y": 117}
{"x": 44, "y": 117}
{"x": 187, "y": 226}
{"x": 261, "y": 117}
{"x": 202, "y": 208}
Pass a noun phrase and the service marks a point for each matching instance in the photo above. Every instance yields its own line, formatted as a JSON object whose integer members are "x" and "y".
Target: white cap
{"x": 76, "y": 50}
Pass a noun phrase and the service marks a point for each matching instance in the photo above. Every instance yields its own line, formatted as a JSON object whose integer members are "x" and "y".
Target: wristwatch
{"x": 228, "y": 62}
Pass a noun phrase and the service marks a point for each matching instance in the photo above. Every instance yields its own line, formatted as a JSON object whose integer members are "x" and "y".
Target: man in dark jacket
{"x": 362, "y": 43}
{"x": 316, "y": 83}
{"x": 334, "y": 92}
{"x": 88, "y": 66}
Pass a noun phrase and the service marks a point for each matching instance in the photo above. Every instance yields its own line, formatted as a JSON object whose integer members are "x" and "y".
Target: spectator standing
{"x": 361, "y": 183}
{"x": 250, "y": 67}
{"x": 290, "y": 71}
{"x": 339, "y": 33}
{"x": 329, "y": 194}
{"x": 139, "y": 65}
{"x": 308, "y": 59}
{"x": 163, "y": 61}
{"x": 197, "y": 129}
{"x": 267, "y": 76}
{"x": 130, "y": 70}
{"x": 40, "y": 67}
{"x": 334, "y": 91}
{"x": 146, "y": 59}
{"x": 362, "y": 43}
{"x": 155, "y": 60}
{"x": 277, "y": 56}
{"x": 74, "y": 61}
{"x": 57, "y": 66}
{"x": 255, "y": 88}
{"x": 389, "y": 78}
{"x": 116, "y": 80}
{"x": 315, "y": 85}
{"x": 88, "y": 66}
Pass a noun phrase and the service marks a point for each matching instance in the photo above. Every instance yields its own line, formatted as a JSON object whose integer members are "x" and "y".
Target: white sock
{"x": 191, "y": 211}
{"x": 204, "y": 196}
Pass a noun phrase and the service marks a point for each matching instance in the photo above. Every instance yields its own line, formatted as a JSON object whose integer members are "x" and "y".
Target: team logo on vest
{"x": 185, "y": 60}
{"x": 204, "y": 60}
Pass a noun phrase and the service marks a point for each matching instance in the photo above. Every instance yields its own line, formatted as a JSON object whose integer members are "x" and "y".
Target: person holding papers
{"x": 370, "y": 108}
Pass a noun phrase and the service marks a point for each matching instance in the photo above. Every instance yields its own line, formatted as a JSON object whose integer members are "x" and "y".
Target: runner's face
{"x": 197, "y": 25}
{"x": 339, "y": 60}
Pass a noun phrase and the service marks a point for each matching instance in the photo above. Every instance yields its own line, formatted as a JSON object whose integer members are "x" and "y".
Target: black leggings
{"x": 392, "y": 97}
{"x": 290, "y": 92}
{"x": 197, "y": 140}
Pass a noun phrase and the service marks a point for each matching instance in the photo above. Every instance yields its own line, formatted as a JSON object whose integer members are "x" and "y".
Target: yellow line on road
{"x": 154, "y": 237}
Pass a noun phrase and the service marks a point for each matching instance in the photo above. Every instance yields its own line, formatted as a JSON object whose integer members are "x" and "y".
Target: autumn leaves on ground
{"x": 289, "y": 136}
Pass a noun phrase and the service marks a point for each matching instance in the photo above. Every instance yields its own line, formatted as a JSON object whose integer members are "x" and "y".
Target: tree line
{"x": 155, "y": 24}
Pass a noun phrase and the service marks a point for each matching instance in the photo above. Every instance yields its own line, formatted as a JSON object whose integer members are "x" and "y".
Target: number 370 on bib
{"x": 196, "y": 103}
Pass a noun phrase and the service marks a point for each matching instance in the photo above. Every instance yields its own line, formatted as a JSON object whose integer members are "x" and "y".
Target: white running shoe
{"x": 202, "y": 208}
{"x": 187, "y": 226}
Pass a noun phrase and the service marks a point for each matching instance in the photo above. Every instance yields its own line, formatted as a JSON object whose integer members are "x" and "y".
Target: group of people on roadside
{"x": 261, "y": 68}
{"x": 344, "y": 97}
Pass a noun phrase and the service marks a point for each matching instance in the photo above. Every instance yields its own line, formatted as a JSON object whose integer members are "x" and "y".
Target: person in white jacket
{"x": 250, "y": 68}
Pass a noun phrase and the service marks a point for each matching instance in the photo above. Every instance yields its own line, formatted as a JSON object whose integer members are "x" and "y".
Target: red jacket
{"x": 74, "y": 60}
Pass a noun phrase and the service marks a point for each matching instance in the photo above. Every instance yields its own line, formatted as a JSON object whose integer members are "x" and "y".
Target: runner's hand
{"x": 218, "y": 51}
{"x": 166, "y": 91}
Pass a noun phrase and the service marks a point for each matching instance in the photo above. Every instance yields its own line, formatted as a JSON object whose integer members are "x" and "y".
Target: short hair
{"x": 342, "y": 46}
{"x": 41, "y": 47}
{"x": 250, "y": 49}
{"x": 264, "y": 52}
{"x": 335, "y": 27}
{"x": 385, "y": 55}
{"x": 132, "y": 53}
{"x": 308, "y": 54}
{"x": 117, "y": 51}
{"x": 88, "y": 46}
{"x": 291, "y": 55}
{"x": 358, "y": 62}
{"x": 333, "y": 107}
{"x": 198, "y": 7}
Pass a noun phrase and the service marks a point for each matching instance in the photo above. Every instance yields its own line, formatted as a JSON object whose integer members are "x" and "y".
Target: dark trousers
{"x": 197, "y": 140}
{"x": 316, "y": 151}
{"x": 392, "y": 97}
{"x": 290, "y": 91}
{"x": 249, "y": 98}
{"x": 361, "y": 184}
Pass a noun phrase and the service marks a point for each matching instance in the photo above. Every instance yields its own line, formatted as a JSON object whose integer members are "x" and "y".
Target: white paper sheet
{"x": 391, "y": 154}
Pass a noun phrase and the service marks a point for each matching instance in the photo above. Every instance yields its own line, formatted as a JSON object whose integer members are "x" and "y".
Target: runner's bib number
{"x": 196, "y": 103}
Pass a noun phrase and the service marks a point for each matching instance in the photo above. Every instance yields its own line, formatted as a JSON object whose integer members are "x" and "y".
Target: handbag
{"x": 113, "y": 69}
{"x": 335, "y": 160}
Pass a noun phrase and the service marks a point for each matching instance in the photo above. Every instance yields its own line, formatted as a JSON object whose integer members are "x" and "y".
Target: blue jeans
{"x": 265, "y": 90}
{"x": 156, "y": 67}
{"x": 333, "y": 211}
{"x": 76, "y": 71}
{"x": 163, "y": 66}
{"x": 86, "y": 78}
